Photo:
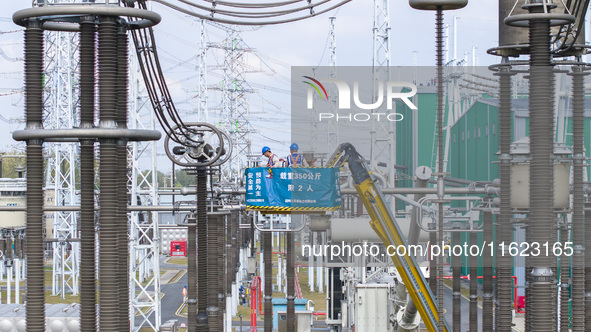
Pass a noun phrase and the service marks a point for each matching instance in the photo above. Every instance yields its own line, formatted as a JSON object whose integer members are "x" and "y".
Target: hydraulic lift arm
{"x": 384, "y": 224}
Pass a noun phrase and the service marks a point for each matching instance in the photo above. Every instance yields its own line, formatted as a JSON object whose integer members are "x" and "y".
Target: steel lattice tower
{"x": 383, "y": 135}
{"x": 144, "y": 264}
{"x": 234, "y": 104}
{"x": 202, "y": 115}
{"x": 333, "y": 129}
{"x": 60, "y": 105}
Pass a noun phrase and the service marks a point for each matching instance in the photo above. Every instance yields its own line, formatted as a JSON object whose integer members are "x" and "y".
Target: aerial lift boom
{"x": 384, "y": 224}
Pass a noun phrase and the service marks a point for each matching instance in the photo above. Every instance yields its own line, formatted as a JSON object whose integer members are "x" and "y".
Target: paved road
{"x": 465, "y": 310}
{"x": 173, "y": 297}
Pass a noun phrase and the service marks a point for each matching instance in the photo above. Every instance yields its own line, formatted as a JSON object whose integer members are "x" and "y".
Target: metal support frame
{"x": 333, "y": 128}
{"x": 60, "y": 106}
{"x": 234, "y": 106}
{"x": 383, "y": 136}
{"x": 144, "y": 264}
{"x": 202, "y": 114}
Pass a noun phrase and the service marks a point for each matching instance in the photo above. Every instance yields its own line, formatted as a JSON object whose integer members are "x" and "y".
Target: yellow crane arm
{"x": 386, "y": 227}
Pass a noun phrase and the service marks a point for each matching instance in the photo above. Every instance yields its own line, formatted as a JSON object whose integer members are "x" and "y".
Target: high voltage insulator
{"x": 112, "y": 135}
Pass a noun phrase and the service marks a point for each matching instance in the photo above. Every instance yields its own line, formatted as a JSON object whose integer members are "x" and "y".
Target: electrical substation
{"x": 428, "y": 197}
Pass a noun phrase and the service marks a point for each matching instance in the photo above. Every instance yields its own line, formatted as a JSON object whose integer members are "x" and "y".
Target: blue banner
{"x": 292, "y": 189}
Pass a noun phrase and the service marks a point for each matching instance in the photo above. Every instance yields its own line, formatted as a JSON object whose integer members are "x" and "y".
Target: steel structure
{"x": 144, "y": 264}
{"x": 60, "y": 106}
{"x": 333, "y": 129}
{"x": 383, "y": 135}
{"x": 202, "y": 114}
{"x": 233, "y": 117}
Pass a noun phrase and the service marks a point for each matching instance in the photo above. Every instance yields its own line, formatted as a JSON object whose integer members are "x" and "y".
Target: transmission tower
{"x": 61, "y": 102}
{"x": 383, "y": 135}
{"x": 234, "y": 104}
{"x": 202, "y": 92}
{"x": 144, "y": 265}
{"x": 333, "y": 130}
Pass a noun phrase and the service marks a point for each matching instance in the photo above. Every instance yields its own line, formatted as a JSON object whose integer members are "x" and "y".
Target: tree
{"x": 12, "y": 163}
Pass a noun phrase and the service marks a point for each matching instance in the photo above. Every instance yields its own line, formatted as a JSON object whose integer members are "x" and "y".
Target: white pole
{"x": 17, "y": 283}
{"x": 8, "y": 285}
{"x": 326, "y": 280}
{"x": 279, "y": 271}
{"x": 234, "y": 299}
{"x": 311, "y": 263}
{"x": 319, "y": 282}
{"x": 446, "y": 27}
{"x": 262, "y": 269}
{"x": 228, "y": 314}
{"x": 456, "y": 19}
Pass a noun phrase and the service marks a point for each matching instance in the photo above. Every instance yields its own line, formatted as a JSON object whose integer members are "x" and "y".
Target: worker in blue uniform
{"x": 295, "y": 159}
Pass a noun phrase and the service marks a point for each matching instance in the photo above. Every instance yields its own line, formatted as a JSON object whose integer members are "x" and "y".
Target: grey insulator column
{"x": 253, "y": 250}
{"x": 456, "y": 286}
{"x": 33, "y": 115}
{"x": 214, "y": 243}
{"x": 191, "y": 275}
{"x": 122, "y": 182}
{"x": 109, "y": 249}
{"x": 221, "y": 268}
{"x": 487, "y": 273}
{"x": 290, "y": 282}
{"x": 541, "y": 221}
{"x": 564, "y": 281}
{"x": 268, "y": 254}
{"x": 86, "y": 224}
{"x": 440, "y": 170}
{"x": 473, "y": 286}
{"x": 587, "y": 216}
{"x": 578, "y": 217}
{"x": 202, "y": 250}
{"x": 504, "y": 233}
{"x": 228, "y": 265}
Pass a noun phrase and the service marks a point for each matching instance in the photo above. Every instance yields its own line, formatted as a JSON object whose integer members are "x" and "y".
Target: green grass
{"x": 177, "y": 260}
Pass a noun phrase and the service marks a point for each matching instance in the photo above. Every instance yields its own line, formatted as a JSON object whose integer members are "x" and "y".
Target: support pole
{"x": 473, "y": 286}
{"x": 86, "y": 225}
{"x": 456, "y": 287}
{"x": 579, "y": 307}
{"x": 487, "y": 273}
{"x": 541, "y": 219}
{"x": 33, "y": 115}
{"x": 290, "y": 271}
{"x": 504, "y": 228}
{"x": 122, "y": 188}
{"x": 202, "y": 250}
{"x": 215, "y": 221}
{"x": 267, "y": 252}
{"x": 191, "y": 275}
{"x": 109, "y": 230}
{"x": 440, "y": 152}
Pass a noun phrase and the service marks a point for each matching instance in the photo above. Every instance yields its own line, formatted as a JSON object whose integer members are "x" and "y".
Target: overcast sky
{"x": 274, "y": 50}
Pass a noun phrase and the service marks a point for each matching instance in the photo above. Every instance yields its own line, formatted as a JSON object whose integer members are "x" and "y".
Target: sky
{"x": 272, "y": 50}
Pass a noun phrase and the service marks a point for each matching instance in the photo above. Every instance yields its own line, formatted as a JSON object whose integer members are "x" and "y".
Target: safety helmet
{"x": 294, "y": 146}
{"x": 265, "y": 149}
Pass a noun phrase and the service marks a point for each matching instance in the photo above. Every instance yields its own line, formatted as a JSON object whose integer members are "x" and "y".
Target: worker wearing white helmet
{"x": 295, "y": 159}
{"x": 273, "y": 160}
